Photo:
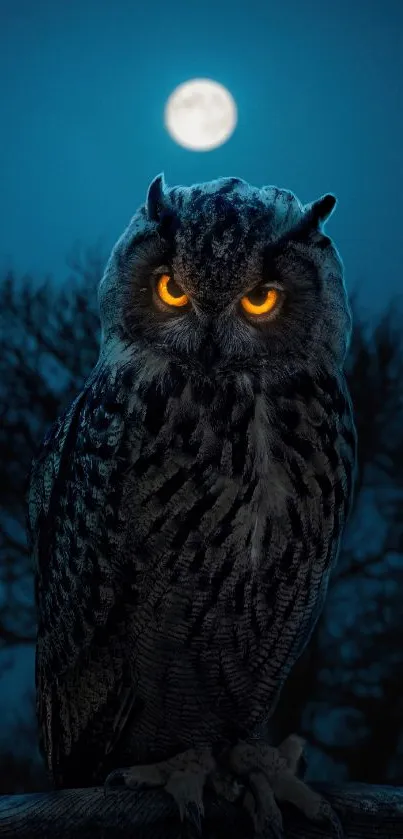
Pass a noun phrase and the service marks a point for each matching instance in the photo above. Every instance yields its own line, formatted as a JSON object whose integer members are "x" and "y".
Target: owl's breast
{"x": 225, "y": 591}
{"x": 232, "y": 538}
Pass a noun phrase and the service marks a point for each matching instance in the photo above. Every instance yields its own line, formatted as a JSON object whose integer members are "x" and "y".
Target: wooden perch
{"x": 366, "y": 812}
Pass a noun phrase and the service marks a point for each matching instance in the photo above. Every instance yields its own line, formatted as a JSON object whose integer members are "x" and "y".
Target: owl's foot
{"x": 184, "y": 776}
{"x": 269, "y": 776}
{"x": 262, "y": 774}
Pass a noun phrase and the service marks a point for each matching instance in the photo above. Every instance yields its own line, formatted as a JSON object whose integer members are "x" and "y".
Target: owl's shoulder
{"x": 78, "y": 454}
{"x": 47, "y": 463}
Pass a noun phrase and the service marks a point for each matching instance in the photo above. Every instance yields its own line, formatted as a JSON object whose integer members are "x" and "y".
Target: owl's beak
{"x": 209, "y": 347}
{"x": 208, "y": 352}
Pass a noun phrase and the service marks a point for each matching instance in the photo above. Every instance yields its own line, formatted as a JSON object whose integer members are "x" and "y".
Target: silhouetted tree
{"x": 343, "y": 694}
{"x": 49, "y": 340}
{"x": 21, "y": 767}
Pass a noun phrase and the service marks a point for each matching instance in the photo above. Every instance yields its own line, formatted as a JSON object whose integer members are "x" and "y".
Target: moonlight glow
{"x": 200, "y": 114}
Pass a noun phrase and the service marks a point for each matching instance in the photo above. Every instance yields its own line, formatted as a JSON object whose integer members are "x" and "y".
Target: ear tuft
{"x": 319, "y": 211}
{"x": 155, "y": 198}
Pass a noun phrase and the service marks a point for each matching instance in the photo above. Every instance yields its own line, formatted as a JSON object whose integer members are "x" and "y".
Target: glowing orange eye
{"x": 266, "y": 300}
{"x": 168, "y": 295}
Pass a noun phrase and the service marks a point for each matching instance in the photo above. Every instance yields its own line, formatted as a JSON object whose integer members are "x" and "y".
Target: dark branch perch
{"x": 365, "y": 811}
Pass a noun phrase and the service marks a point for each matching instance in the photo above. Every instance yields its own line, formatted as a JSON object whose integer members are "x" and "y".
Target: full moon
{"x": 200, "y": 114}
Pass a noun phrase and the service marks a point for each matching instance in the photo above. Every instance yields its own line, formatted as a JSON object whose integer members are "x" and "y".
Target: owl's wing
{"x": 84, "y": 692}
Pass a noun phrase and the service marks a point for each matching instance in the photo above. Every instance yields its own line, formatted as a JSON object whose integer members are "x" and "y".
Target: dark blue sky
{"x": 319, "y": 90}
{"x": 83, "y": 86}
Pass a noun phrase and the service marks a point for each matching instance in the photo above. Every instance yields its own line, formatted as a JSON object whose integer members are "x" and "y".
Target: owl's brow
{"x": 149, "y": 245}
{"x": 138, "y": 240}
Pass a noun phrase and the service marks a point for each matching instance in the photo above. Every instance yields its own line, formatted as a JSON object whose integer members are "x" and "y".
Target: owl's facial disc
{"x": 229, "y": 276}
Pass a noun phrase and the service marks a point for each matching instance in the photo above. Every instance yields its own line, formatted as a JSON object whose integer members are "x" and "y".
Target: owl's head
{"x": 223, "y": 276}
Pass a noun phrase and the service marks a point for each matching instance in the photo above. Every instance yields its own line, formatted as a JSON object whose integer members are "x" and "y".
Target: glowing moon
{"x": 200, "y": 114}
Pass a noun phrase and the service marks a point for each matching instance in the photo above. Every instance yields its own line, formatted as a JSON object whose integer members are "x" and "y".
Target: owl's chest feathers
{"x": 224, "y": 535}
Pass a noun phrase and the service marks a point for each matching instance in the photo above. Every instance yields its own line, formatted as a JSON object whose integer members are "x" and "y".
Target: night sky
{"x": 318, "y": 88}
{"x": 84, "y": 83}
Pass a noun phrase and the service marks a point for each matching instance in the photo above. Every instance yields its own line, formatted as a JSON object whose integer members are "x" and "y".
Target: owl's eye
{"x": 261, "y": 300}
{"x": 169, "y": 291}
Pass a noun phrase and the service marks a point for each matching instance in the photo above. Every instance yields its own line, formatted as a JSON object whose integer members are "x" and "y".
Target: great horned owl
{"x": 186, "y": 511}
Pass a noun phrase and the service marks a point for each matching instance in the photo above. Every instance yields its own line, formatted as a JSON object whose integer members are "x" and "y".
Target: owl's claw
{"x": 261, "y": 773}
{"x": 270, "y": 777}
{"x": 183, "y": 776}
{"x": 261, "y": 805}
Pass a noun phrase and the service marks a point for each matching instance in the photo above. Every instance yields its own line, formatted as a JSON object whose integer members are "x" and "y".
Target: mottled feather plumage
{"x": 186, "y": 511}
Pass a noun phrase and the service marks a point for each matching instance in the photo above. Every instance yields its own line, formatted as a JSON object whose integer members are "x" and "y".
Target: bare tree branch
{"x": 366, "y": 812}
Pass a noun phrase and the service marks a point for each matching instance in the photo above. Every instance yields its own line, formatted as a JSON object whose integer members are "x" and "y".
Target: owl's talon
{"x": 328, "y": 814}
{"x": 270, "y": 777}
{"x": 183, "y": 776}
{"x": 193, "y": 813}
{"x": 260, "y": 802}
{"x": 187, "y": 790}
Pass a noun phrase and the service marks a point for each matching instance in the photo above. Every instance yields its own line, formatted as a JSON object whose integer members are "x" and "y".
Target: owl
{"x": 186, "y": 511}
